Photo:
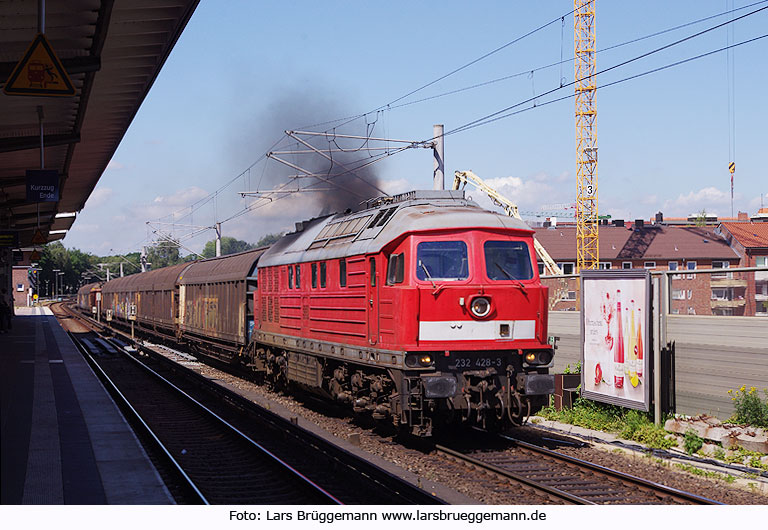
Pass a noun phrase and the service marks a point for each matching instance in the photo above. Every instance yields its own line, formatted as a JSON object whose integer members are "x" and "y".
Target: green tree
{"x": 268, "y": 239}
{"x": 229, "y": 245}
{"x": 164, "y": 253}
{"x": 701, "y": 218}
{"x": 69, "y": 266}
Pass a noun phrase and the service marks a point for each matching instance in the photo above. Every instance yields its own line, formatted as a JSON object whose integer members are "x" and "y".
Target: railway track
{"x": 223, "y": 449}
{"x": 563, "y": 478}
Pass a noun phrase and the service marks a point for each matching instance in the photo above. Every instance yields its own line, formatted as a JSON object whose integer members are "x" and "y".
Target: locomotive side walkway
{"x": 63, "y": 439}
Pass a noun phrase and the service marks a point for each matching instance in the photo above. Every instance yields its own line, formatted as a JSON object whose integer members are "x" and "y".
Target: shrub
{"x": 692, "y": 442}
{"x": 750, "y": 409}
{"x": 630, "y": 424}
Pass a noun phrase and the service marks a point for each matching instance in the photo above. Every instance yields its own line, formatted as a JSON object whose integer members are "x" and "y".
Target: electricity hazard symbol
{"x": 39, "y": 73}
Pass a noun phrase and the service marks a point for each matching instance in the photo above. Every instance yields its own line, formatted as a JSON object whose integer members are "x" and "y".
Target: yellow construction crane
{"x": 587, "y": 249}
{"x": 462, "y": 178}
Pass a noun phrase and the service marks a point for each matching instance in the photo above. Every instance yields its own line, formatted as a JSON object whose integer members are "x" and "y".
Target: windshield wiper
{"x": 429, "y": 277}
{"x": 426, "y": 271}
{"x": 509, "y": 276}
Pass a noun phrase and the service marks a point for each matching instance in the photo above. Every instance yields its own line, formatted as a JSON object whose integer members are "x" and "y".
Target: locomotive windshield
{"x": 442, "y": 260}
{"x": 507, "y": 260}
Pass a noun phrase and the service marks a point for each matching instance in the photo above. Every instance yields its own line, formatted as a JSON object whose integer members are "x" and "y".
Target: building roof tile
{"x": 655, "y": 242}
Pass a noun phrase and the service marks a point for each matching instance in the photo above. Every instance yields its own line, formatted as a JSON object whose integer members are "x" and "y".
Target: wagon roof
{"x": 88, "y": 287}
{"x": 156, "y": 280}
{"x": 225, "y": 268}
{"x": 368, "y": 231}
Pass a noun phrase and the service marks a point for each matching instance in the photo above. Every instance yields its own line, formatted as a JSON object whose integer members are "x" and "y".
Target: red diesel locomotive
{"x": 422, "y": 306}
{"x": 419, "y": 309}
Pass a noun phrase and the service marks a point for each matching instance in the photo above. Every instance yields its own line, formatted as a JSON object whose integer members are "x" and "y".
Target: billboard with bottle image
{"x": 615, "y": 307}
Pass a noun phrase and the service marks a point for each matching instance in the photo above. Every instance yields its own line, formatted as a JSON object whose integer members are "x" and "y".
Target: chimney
{"x": 743, "y": 216}
{"x": 639, "y": 223}
{"x": 618, "y": 222}
{"x": 659, "y": 218}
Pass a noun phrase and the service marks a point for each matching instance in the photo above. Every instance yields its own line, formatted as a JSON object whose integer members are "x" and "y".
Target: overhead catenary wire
{"x": 392, "y": 106}
{"x": 471, "y": 124}
{"x": 607, "y": 85}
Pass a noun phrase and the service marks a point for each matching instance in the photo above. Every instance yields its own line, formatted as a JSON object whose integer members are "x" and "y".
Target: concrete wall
{"x": 713, "y": 355}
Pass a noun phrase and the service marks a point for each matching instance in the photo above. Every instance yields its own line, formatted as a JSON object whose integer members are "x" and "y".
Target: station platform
{"x": 64, "y": 441}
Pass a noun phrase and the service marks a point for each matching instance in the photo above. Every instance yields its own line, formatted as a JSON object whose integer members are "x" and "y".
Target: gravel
{"x": 479, "y": 487}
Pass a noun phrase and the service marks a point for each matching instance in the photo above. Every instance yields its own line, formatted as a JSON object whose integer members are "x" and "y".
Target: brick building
{"x": 20, "y": 285}
{"x": 656, "y": 247}
{"x": 750, "y": 241}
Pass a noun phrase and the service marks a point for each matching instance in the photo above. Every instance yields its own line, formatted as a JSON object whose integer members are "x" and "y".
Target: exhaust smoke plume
{"x": 340, "y": 188}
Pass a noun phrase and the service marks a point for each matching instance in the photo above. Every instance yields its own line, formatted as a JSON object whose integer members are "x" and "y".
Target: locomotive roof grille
{"x": 367, "y": 231}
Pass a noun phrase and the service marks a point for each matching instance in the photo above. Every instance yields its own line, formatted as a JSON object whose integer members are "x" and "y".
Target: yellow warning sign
{"x": 38, "y": 238}
{"x": 39, "y": 73}
{"x": 35, "y": 256}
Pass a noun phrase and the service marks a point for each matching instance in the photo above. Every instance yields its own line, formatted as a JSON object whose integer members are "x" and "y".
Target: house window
{"x": 626, "y": 264}
{"x": 322, "y": 274}
{"x": 604, "y": 265}
{"x": 314, "y": 275}
{"x": 691, "y": 311}
{"x": 761, "y": 261}
{"x": 649, "y": 265}
{"x": 672, "y": 265}
{"x": 721, "y": 265}
{"x": 722, "y": 293}
{"x": 678, "y": 294}
{"x": 570, "y": 295}
{"x": 567, "y": 268}
{"x": 20, "y": 287}
{"x": 342, "y": 272}
{"x": 691, "y": 266}
{"x": 689, "y": 293}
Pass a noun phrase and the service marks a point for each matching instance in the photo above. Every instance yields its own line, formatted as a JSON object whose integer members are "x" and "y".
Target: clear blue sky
{"x": 242, "y": 72}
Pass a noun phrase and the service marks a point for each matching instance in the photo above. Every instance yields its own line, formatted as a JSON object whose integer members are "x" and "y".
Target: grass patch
{"x": 705, "y": 473}
{"x": 629, "y": 424}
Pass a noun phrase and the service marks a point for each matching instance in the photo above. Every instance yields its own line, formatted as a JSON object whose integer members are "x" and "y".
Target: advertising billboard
{"x": 615, "y": 338}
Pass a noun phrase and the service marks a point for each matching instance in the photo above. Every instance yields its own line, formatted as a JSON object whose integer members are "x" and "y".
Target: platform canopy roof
{"x": 113, "y": 51}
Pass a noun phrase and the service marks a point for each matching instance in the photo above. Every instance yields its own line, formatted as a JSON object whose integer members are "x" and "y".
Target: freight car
{"x": 87, "y": 296}
{"x": 418, "y": 309}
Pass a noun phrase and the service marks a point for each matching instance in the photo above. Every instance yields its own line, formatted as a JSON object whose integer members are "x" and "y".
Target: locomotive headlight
{"x": 538, "y": 357}
{"x": 480, "y": 306}
{"x": 420, "y": 360}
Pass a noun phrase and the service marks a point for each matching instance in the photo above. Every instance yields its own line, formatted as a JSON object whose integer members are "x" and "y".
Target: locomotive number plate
{"x": 479, "y": 363}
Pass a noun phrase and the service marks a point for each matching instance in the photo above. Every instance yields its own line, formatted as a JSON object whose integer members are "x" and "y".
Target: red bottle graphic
{"x": 618, "y": 351}
{"x": 639, "y": 345}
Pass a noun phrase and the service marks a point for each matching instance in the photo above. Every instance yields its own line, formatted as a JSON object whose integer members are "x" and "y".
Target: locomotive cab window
{"x": 342, "y": 272}
{"x": 442, "y": 260}
{"x": 396, "y": 269}
{"x": 290, "y": 277}
{"x": 372, "y": 263}
{"x": 507, "y": 260}
{"x": 322, "y": 275}
{"x": 314, "y": 275}
{"x": 298, "y": 277}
